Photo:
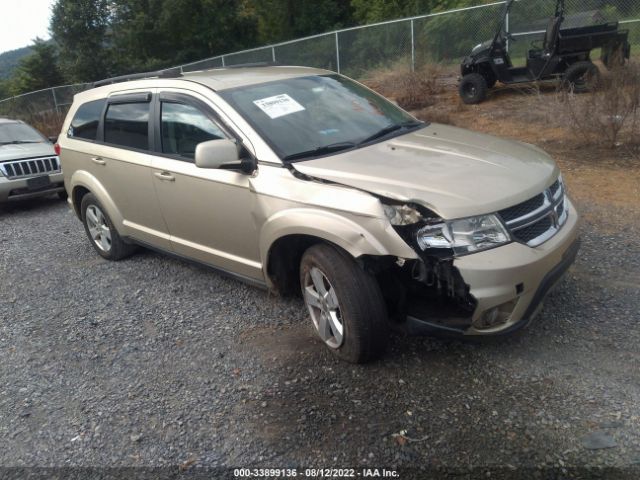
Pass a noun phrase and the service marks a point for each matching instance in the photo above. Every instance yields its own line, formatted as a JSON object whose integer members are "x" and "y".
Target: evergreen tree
{"x": 79, "y": 27}
{"x": 38, "y": 70}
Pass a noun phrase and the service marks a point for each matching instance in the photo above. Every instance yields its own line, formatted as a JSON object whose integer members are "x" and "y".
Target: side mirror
{"x": 215, "y": 153}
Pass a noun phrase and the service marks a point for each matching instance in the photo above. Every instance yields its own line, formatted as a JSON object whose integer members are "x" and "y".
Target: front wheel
{"x": 473, "y": 88}
{"x": 345, "y": 304}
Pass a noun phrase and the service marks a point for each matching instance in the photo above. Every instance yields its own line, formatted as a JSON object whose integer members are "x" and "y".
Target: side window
{"x": 85, "y": 121}
{"x": 127, "y": 124}
{"x": 184, "y": 127}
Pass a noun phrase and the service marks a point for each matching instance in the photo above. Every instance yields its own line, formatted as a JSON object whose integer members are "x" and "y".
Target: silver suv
{"x": 29, "y": 164}
{"x": 306, "y": 182}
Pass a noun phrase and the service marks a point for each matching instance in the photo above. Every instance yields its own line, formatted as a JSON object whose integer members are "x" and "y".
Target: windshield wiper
{"x": 17, "y": 142}
{"x": 334, "y": 147}
{"x": 392, "y": 127}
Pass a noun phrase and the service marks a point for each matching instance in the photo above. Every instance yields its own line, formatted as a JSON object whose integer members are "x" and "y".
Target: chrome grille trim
{"x": 548, "y": 218}
{"x": 30, "y": 167}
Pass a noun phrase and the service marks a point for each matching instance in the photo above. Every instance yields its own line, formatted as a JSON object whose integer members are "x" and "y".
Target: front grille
{"x": 536, "y": 220}
{"x": 523, "y": 208}
{"x": 30, "y": 167}
{"x": 532, "y": 232}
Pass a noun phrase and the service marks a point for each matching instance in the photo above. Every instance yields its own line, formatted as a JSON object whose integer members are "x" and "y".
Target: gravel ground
{"x": 154, "y": 362}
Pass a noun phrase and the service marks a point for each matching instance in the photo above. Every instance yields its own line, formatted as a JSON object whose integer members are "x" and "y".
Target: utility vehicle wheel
{"x": 346, "y": 306}
{"x": 582, "y": 77}
{"x": 473, "y": 88}
{"x": 100, "y": 230}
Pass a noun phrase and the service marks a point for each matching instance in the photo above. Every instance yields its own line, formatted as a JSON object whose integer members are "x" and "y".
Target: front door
{"x": 208, "y": 211}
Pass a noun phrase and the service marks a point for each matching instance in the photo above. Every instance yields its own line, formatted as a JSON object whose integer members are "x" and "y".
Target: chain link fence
{"x": 442, "y": 38}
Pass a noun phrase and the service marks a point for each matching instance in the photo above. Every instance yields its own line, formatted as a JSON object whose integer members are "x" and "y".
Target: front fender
{"x": 357, "y": 238}
{"x": 82, "y": 178}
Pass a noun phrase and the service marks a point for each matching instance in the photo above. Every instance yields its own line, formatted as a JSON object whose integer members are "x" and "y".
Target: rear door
{"x": 123, "y": 165}
{"x": 208, "y": 211}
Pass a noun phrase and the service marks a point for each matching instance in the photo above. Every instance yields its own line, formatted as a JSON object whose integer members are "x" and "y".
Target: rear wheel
{"x": 345, "y": 304}
{"x": 473, "y": 88}
{"x": 582, "y": 77}
{"x": 101, "y": 232}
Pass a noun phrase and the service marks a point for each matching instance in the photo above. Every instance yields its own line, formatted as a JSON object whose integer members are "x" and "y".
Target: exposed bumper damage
{"x": 489, "y": 293}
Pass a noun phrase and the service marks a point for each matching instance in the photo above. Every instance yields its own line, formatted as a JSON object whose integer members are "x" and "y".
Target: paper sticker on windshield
{"x": 278, "y": 105}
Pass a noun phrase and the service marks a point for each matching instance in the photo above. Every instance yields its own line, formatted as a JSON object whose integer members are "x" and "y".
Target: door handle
{"x": 98, "y": 160}
{"x": 165, "y": 176}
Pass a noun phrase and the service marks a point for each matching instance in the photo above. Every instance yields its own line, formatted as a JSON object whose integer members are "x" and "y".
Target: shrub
{"x": 611, "y": 114}
{"x": 412, "y": 90}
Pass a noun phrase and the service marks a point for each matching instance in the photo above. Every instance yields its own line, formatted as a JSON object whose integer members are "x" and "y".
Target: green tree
{"x": 370, "y": 11}
{"x": 149, "y": 34}
{"x": 38, "y": 70}
{"x": 79, "y": 28}
{"x": 280, "y": 20}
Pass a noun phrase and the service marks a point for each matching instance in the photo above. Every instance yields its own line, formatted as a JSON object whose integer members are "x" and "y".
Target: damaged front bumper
{"x": 490, "y": 293}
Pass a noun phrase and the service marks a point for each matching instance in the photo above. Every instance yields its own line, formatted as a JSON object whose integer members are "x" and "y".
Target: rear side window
{"x": 127, "y": 124}
{"x": 85, "y": 121}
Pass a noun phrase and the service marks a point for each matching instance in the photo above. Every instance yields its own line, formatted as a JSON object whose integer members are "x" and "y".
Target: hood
{"x": 25, "y": 150}
{"x": 454, "y": 172}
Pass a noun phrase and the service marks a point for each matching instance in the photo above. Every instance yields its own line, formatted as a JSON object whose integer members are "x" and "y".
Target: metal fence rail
{"x": 409, "y": 43}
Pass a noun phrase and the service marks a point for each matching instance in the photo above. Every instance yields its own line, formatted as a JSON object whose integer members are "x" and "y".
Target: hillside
{"x": 9, "y": 61}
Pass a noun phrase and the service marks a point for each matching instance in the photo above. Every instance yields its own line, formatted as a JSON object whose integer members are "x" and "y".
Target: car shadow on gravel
{"x": 33, "y": 205}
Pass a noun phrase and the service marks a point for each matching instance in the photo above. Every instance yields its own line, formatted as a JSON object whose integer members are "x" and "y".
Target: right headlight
{"x": 465, "y": 235}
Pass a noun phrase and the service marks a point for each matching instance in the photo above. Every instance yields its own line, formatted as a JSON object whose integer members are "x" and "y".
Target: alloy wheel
{"x": 98, "y": 228}
{"x": 323, "y": 305}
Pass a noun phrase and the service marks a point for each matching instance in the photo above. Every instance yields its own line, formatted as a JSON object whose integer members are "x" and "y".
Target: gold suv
{"x": 306, "y": 182}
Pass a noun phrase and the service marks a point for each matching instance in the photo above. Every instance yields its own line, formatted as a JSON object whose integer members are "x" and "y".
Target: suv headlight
{"x": 462, "y": 236}
{"x": 465, "y": 235}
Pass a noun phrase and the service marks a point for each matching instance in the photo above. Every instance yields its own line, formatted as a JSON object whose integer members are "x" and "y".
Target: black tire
{"x": 581, "y": 77}
{"x": 360, "y": 306}
{"x": 63, "y": 195}
{"x": 473, "y": 88}
{"x": 117, "y": 248}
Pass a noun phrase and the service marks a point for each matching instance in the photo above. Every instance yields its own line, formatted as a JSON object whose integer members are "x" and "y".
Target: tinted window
{"x": 184, "y": 127}
{"x": 127, "y": 124}
{"x": 85, "y": 122}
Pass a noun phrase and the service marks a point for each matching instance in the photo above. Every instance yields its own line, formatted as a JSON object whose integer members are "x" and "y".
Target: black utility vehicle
{"x": 565, "y": 54}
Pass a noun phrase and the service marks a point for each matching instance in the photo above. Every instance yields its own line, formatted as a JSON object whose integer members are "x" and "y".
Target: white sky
{"x": 23, "y": 20}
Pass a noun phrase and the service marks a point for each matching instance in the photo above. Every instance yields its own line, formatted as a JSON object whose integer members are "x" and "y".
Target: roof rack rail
{"x": 166, "y": 73}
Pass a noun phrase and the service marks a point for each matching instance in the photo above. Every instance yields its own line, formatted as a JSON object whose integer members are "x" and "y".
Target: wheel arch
{"x": 286, "y": 236}
{"x": 83, "y": 182}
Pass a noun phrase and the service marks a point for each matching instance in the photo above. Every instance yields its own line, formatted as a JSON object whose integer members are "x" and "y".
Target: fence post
{"x": 222, "y": 57}
{"x": 55, "y": 100}
{"x": 506, "y": 27}
{"x": 273, "y": 54}
{"x": 413, "y": 49}
{"x": 337, "y": 54}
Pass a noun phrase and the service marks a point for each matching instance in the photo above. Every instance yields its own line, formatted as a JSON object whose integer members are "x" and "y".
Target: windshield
{"x": 19, "y": 133}
{"x": 311, "y": 116}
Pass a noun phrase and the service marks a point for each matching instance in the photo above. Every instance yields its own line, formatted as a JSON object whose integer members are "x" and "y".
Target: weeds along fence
{"x": 442, "y": 38}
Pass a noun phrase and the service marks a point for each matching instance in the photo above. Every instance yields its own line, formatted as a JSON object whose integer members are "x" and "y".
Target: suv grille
{"x": 30, "y": 167}
{"x": 536, "y": 220}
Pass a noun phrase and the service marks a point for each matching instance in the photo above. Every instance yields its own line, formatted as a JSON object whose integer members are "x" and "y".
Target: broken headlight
{"x": 400, "y": 215}
{"x": 465, "y": 235}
